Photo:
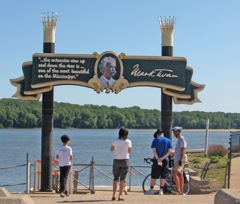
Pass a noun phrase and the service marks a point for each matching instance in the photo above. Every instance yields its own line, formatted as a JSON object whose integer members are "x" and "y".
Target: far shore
{"x": 184, "y": 130}
{"x": 212, "y": 130}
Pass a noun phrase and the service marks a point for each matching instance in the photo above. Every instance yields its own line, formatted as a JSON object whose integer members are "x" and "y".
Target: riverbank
{"x": 28, "y": 114}
{"x": 211, "y": 130}
{"x": 216, "y": 171}
{"x": 184, "y": 130}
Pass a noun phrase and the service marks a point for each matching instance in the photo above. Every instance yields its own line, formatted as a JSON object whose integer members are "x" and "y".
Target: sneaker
{"x": 66, "y": 193}
{"x": 62, "y": 194}
{"x": 161, "y": 191}
{"x": 150, "y": 192}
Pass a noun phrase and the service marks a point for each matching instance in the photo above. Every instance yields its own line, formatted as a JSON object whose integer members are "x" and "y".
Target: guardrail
{"x": 90, "y": 177}
{"x": 27, "y": 165}
{"x": 233, "y": 151}
{"x": 99, "y": 177}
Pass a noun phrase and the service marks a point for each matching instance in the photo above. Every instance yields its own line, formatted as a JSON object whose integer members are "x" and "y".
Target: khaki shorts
{"x": 178, "y": 168}
{"x": 120, "y": 169}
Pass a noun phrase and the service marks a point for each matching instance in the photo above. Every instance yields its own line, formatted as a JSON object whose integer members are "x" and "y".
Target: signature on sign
{"x": 161, "y": 73}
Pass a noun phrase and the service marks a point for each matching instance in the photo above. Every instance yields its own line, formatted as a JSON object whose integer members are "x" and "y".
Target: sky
{"x": 207, "y": 33}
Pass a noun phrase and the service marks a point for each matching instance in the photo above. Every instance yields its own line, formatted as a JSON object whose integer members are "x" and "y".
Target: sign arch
{"x": 107, "y": 71}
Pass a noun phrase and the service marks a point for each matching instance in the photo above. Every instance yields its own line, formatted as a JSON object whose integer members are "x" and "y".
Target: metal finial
{"x": 167, "y": 23}
{"x": 49, "y": 21}
{"x": 167, "y": 27}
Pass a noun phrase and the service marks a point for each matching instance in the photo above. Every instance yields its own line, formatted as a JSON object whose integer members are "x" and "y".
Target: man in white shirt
{"x": 179, "y": 159}
{"x": 107, "y": 67}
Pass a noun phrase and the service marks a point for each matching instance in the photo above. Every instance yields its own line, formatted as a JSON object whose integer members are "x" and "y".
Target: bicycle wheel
{"x": 146, "y": 183}
{"x": 186, "y": 188}
{"x": 170, "y": 187}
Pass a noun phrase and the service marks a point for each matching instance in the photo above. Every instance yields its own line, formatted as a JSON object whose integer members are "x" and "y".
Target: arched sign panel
{"x": 108, "y": 71}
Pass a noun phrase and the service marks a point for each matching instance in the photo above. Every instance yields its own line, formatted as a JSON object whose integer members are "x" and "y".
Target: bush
{"x": 196, "y": 160}
{"x": 217, "y": 150}
{"x": 215, "y": 159}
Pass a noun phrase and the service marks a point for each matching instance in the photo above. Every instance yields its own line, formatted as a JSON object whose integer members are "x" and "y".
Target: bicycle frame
{"x": 170, "y": 183}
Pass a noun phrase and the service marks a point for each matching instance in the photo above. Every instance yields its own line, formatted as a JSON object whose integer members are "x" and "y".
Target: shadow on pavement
{"x": 84, "y": 201}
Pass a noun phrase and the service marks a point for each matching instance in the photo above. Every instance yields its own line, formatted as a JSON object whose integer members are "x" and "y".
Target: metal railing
{"x": 27, "y": 165}
{"x": 233, "y": 151}
{"x": 88, "y": 177}
{"x": 94, "y": 176}
{"x": 205, "y": 170}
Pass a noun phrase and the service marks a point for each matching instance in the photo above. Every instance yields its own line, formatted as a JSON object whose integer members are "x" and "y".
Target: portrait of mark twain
{"x": 107, "y": 67}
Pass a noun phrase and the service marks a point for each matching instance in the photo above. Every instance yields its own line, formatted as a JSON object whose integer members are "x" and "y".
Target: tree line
{"x": 27, "y": 114}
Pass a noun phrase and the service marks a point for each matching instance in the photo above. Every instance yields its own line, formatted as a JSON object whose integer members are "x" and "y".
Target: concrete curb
{"x": 227, "y": 196}
{"x": 7, "y": 198}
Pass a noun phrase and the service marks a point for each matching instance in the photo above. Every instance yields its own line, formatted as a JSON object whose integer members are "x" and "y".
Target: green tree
{"x": 28, "y": 114}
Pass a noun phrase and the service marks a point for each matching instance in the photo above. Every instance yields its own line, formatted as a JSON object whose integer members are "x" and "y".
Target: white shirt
{"x": 107, "y": 83}
{"x": 64, "y": 153}
{"x": 121, "y": 149}
{"x": 181, "y": 143}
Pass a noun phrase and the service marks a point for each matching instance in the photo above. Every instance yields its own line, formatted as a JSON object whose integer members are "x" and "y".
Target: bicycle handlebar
{"x": 148, "y": 160}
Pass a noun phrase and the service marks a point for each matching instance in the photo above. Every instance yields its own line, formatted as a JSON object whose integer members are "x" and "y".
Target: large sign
{"x": 109, "y": 72}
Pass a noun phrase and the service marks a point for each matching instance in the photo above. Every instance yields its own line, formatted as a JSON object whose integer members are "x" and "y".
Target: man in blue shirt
{"x": 162, "y": 148}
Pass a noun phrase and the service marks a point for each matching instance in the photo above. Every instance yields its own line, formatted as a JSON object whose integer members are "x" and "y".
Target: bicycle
{"x": 170, "y": 186}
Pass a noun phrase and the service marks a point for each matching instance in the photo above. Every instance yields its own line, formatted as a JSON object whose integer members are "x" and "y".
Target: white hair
{"x": 104, "y": 61}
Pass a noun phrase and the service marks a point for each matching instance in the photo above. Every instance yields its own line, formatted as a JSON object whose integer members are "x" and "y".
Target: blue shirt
{"x": 162, "y": 145}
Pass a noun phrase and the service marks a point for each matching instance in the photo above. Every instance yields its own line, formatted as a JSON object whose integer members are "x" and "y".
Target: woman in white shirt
{"x": 121, "y": 147}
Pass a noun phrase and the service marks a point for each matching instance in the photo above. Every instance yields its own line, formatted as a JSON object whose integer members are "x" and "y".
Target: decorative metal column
{"x": 167, "y": 27}
{"x": 49, "y": 27}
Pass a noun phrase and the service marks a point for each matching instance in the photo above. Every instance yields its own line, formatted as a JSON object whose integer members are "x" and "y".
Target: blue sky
{"x": 207, "y": 33}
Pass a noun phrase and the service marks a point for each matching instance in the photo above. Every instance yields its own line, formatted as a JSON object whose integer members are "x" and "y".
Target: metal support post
{"x": 167, "y": 27}
{"x": 49, "y": 27}
{"x": 28, "y": 177}
{"x": 92, "y": 176}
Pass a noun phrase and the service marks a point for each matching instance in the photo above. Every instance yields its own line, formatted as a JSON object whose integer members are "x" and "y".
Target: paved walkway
{"x": 133, "y": 197}
{"x": 235, "y": 173}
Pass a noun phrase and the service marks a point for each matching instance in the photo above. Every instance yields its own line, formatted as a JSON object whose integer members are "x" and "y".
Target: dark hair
{"x": 65, "y": 139}
{"x": 123, "y": 133}
{"x": 159, "y": 131}
{"x": 155, "y": 135}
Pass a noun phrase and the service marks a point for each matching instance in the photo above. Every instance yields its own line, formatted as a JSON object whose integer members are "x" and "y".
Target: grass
{"x": 216, "y": 173}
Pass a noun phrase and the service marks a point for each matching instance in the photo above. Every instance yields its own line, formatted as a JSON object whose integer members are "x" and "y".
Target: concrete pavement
{"x": 104, "y": 197}
{"x": 235, "y": 173}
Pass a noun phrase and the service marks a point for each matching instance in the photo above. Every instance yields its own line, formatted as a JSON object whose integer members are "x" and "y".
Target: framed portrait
{"x": 108, "y": 69}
